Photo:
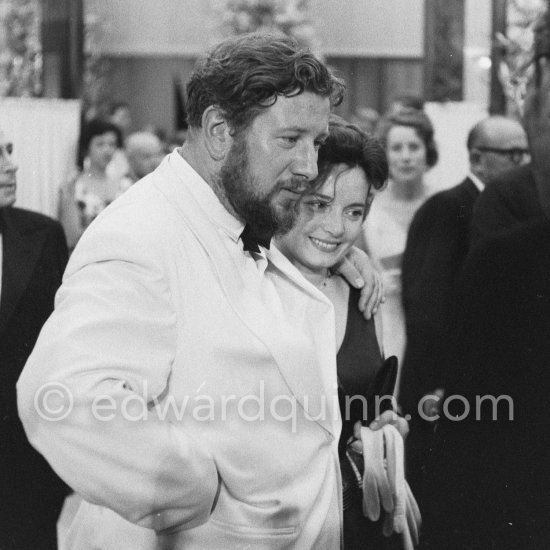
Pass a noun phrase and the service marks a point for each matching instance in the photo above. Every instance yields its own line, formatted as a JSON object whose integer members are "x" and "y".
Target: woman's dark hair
{"x": 348, "y": 144}
{"x": 418, "y": 121}
{"x": 95, "y": 127}
{"x": 245, "y": 74}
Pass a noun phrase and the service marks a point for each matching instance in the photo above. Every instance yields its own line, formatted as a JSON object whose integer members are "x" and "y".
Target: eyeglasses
{"x": 514, "y": 154}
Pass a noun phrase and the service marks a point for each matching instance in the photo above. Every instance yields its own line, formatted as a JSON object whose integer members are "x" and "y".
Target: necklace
{"x": 325, "y": 281}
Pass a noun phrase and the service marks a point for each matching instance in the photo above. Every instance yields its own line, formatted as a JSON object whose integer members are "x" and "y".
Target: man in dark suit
{"x": 490, "y": 473}
{"x": 509, "y": 200}
{"x": 437, "y": 246}
{"x": 33, "y": 254}
{"x": 491, "y": 478}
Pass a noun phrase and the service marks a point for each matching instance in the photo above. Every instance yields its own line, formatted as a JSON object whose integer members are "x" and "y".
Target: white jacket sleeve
{"x": 85, "y": 394}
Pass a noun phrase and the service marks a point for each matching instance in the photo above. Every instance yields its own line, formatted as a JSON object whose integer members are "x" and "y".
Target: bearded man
{"x": 185, "y": 385}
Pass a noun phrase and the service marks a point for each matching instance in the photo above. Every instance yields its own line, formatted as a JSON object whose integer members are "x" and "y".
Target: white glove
{"x": 376, "y": 487}
{"x": 384, "y": 481}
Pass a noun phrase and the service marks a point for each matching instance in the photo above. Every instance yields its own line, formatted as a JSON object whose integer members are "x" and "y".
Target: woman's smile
{"x": 324, "y": 246}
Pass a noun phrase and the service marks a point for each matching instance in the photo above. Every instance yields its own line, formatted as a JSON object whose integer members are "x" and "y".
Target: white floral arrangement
{"x": 290, "y": 17}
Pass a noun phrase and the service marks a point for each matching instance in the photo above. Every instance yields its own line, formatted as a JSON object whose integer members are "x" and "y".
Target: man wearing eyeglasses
{"x": 437, "y": 245}
{"x": 515, "y": 155}
{"x": 511, "y": 199}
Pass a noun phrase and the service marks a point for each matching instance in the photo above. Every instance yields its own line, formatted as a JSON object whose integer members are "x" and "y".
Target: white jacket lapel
{"x": 300, "y": 373}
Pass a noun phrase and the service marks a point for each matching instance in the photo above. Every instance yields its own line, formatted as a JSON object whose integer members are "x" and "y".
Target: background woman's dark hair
{"x": 419, "y": 121}
{"x": 95, "y": 127}
{"x": 348, "y": 144}
{"x": 245, "y": 74}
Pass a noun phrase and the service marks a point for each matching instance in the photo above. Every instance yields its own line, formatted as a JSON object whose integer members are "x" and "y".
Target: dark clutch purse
{"x": 352, "y": 466}
{"x": 382, "y": 387}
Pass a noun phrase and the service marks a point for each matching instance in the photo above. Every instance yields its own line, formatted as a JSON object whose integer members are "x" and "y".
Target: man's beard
{"x": 263, "y": 214}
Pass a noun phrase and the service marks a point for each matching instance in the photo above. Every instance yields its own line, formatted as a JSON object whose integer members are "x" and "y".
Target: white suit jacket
{"x": 160, "y": 356}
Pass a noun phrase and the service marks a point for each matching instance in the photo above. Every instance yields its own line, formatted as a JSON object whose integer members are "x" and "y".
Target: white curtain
{"x": 44, "y": 133}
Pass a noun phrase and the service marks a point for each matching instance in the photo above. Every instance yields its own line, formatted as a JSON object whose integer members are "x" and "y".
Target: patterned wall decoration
{"x": 444, "y": 44}
{"x": 96, "y": 84}
{"x": 20, "y": 48}
{"x": 516, "y": 50}
{"x": 290, "y": 17}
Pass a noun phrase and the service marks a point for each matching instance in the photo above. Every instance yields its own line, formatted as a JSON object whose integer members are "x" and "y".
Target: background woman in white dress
{"x": 408, "y": 136}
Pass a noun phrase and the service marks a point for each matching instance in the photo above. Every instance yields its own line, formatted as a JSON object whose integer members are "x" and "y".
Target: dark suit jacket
{"x": 33, "y": 261}
{"x": 437, "y": 246}
{"x": 491, "y": 479}
{"x": 509, "y": 200}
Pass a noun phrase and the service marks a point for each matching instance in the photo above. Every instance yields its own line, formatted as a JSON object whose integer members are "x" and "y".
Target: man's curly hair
{"x": 245, "y": 74}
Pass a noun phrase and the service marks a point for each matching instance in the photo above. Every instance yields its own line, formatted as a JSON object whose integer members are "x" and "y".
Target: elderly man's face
{"x": 273, "y": 161}
{"x": 502, "y": 147}
{"x": 145, "y": 159}
{"x": 8, "y": 169}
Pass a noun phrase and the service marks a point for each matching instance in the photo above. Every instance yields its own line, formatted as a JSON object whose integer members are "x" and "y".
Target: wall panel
{"x": 373, "y": 82}
{"x": 366, "y": 28}
{"x": 147, "y": 85}
{"x": 370, "y": 28}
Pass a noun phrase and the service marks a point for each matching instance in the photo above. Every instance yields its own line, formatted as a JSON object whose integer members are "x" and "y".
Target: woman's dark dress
{"x": 358, "y": 360}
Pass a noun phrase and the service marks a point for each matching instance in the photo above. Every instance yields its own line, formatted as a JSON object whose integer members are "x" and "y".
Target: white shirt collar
{"x": 205, "y": 196}
{"x": 476, "y": 181}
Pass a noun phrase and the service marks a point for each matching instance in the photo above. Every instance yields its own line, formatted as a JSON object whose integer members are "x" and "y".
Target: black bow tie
{"x": 251, "y": 239}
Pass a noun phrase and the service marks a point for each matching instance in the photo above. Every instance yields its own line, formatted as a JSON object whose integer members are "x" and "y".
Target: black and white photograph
{"x": 274, "y": 274}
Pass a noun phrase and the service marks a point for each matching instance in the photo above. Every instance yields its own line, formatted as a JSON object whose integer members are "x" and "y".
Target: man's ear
{"x": 477, "y": 164}
{"x": 217, "y": 134}
{"x": 475, "y": 158}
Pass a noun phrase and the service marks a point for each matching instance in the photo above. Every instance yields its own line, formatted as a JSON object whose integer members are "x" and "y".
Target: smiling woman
{"x": 351, "y": 166}
{"x": 329, "y": 221}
